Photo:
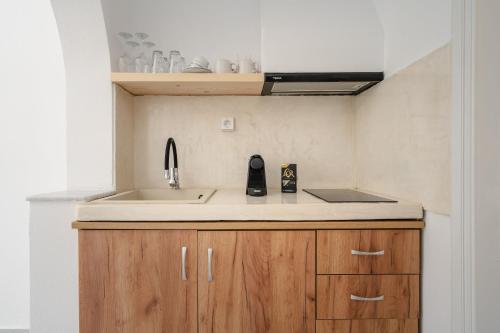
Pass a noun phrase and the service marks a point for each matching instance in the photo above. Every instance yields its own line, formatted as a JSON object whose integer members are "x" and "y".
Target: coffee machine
{"x": 256, "y": 181}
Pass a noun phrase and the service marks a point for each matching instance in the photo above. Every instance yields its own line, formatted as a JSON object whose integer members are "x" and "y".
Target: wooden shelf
{"x": 190, "y": 84}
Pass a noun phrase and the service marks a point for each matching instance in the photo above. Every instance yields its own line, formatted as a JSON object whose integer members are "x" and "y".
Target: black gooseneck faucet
{"x": 171, "y": 174}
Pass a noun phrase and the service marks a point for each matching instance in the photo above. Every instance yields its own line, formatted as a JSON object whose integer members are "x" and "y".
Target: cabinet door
{"x": 132, "y": 281}
{"x": 256, "y": 281}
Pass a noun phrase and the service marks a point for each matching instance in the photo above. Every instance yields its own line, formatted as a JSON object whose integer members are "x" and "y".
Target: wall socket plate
{"x": 227, "y": 124}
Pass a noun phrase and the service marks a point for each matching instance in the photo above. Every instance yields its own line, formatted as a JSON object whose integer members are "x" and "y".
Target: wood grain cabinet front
{"x": 368, "y": 297}
{"x": 368, "y": 326}
{"x": 256, "y": 281}
{"x": 138, "y": 281}
{"x": 368, "y": 252}
{"x": 249, "y": 281}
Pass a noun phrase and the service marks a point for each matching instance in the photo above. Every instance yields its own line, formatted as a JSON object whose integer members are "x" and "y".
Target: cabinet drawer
{"x": 368, "y": 252}
{"x": 367, "y": 296}
{"x": 368, "y": 326}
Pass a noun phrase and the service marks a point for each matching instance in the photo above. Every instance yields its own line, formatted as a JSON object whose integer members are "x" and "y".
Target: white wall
{"x": 214, "y": 29}
{"x": 412, "y": 29}
{"x": 54, "y": 267}
{"x": 289, "y": 35}
{"x": 321, "y": 35}
{"x": 487, "y": 167}
{"x": 88, "y": 93}
{"x": 32, "y": 139}
{"x": 436, "y": 274}
{"x": 318, "y": 35}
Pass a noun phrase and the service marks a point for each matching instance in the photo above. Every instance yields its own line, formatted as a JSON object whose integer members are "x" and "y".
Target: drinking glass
{"x": 141, "y": 64}
{"x": 175, "y": 57}
{"x": 157, "y": 64}
{"x": 165, "y": 65}
{"x": 179, "y": 65}
{"x": 124, "y": 63}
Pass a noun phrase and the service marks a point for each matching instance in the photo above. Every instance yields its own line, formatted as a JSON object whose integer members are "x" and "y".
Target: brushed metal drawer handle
{"x": 210, "y": 254}
{"x": 367, "y": 299}
{"x": 183, "y": 263}
{"x": 365, "y": 253}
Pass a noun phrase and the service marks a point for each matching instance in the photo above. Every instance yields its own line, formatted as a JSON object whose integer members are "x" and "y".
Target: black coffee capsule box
{"x": 289, "y": 178}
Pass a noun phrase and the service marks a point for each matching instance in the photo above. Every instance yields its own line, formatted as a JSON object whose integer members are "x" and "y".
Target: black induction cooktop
{"x": 345, "y": 195}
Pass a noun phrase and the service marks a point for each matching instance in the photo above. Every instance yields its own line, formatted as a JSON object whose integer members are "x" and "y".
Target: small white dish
{"x": 196, "y": 69}
{"x": 201, "y": 61}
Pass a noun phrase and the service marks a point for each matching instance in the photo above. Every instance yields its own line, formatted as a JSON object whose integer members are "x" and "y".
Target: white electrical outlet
{"x": 227, "y": 124}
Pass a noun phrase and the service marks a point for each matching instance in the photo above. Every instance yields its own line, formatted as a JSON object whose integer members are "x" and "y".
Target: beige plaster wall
{"x": 392, "y": 139}
{"x": 314, "y": 132}
{"x": 402, "y": 135}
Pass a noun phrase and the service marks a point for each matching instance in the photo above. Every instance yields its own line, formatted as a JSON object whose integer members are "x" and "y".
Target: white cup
{"x": 200, "y": 61}
{"x": 224, "y": 66}
{"x": 246, "y": 66}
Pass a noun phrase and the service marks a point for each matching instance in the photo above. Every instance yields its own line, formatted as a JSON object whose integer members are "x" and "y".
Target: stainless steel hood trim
{"x": 368, "y": 78}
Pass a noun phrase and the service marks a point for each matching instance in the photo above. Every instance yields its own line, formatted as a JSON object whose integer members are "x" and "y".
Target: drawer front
{"x": 367, "y": 326}
{"x": 368, "y": 252}
{"x": 367, "y": 296}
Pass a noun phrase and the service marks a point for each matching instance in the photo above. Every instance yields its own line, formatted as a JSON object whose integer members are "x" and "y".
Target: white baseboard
{"x": 14, "y": 330}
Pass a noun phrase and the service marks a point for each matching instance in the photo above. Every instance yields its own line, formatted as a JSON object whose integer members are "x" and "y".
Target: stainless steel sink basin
{"x": 160, "y": 196}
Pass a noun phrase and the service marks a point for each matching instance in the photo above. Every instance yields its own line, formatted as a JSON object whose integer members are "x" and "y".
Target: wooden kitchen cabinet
{"x": 131, "y": 281}
{"x": 256, "y": 281}
{"x": 240, "y": 277}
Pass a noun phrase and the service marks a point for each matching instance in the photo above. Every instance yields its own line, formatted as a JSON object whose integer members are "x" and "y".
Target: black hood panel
{"x": 296, "y": 84}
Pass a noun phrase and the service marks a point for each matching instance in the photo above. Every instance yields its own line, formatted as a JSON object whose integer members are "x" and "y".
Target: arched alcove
{"x": 88, "y": 93}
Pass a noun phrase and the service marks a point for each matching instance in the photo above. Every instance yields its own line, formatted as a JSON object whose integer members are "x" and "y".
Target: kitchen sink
{"x": 160, "y": 196}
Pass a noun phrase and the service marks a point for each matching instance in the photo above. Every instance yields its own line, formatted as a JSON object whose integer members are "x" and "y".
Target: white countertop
{"x": 235, "y": 205}
{"x": 71, "y": 195}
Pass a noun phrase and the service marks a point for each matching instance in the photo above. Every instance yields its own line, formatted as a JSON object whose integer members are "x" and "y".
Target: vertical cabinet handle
{"x": 210, "y": 253}
{"x": 183, "y": 263}
{"x": 364, "y": 253}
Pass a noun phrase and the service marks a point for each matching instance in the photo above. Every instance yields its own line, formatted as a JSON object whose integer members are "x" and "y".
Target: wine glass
{"x": 140, "y": 61}
{"x": 124, "y": 60}
{"x": 125, "y": 35}
{"x": 141, "y": 35}
{"x": 147, "y": 55}
{"x": 148, "y": 44}
{"x": 133, "y": 45}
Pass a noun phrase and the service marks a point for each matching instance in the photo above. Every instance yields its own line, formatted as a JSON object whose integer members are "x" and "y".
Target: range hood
{"x": 297, "y": 84}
